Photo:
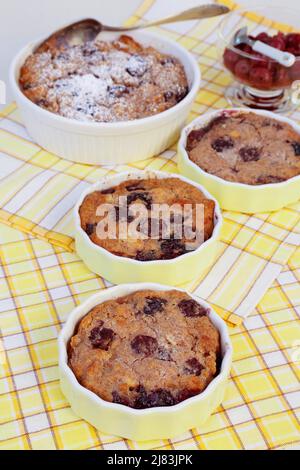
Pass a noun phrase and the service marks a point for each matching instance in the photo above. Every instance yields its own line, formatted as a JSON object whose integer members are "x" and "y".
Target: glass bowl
{"x": 260, "y": 82}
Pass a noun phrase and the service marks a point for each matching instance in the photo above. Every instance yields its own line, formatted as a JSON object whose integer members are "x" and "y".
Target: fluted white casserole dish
{"x": 108, "y": 143}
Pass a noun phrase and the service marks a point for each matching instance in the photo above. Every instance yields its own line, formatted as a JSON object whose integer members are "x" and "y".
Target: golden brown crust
{"x": 168, "y": 191}
{"x": 149, "y": 348}
{"x": 103, "y": 81}
{"x": 246, "y": 148}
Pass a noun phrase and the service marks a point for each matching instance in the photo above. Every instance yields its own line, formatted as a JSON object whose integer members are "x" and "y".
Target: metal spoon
{"x": 284, "y": 58}
{"x": 88, "y": 29}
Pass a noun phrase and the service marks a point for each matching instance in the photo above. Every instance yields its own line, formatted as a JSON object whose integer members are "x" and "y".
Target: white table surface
{"x": 24, "y": 21}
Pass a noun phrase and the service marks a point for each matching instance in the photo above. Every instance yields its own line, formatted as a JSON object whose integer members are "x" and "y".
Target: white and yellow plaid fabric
{"x": 39, "y": 189}
{"x": 40, "y": 283}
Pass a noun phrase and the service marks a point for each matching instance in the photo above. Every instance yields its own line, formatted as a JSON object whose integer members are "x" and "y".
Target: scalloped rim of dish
{"x": 79, "y": 312}
{"x": 203, "y": 120}
{"x": 107, "y": 182}
{"x": 83, "y": 125}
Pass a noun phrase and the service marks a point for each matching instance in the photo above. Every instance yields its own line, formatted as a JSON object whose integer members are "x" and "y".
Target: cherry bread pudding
{"x": 156, "y": 236}
{"x": 260, "y": 72}
{"x": 146, "y": 349}
{"x": 247, "y": 148}
{"x": 103, "y": 81}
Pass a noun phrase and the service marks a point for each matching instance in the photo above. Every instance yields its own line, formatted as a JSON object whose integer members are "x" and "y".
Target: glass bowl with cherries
{"x": 260, "y": 80}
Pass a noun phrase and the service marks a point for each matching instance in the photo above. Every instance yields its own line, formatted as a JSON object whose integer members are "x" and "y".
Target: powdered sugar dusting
{"x": 104, "y": 81}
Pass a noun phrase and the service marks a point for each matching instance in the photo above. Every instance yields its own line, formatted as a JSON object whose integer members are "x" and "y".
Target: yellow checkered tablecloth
{"x": 40, "y": 283}
{"x": 38, "y": 189}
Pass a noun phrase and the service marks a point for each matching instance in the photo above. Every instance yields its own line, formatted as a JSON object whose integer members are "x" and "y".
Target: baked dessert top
{"x": 246, "y": 148}
{"x": 158, "y": 235}
{"x": 103, "y": 81}
{"x": 146, "y": 349}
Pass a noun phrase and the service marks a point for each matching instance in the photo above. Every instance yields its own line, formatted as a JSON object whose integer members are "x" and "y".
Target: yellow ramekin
{"x": 119, "y": 270}
{"x": 238, "y": 196}
{"x": 152, "y": 423}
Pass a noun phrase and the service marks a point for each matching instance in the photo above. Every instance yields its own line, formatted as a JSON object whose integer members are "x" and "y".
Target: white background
{"x": 25, "y": 20}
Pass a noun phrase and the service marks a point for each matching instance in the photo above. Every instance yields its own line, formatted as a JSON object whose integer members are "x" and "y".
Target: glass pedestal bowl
{"x": 260, "y": 82}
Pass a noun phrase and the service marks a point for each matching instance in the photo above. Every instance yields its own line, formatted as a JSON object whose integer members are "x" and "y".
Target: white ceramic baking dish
{"x": 152, "y": 423}
{"x": 119, "y": 269}
{"x": 108, "y": 143}
{"x": 238, "y": 196}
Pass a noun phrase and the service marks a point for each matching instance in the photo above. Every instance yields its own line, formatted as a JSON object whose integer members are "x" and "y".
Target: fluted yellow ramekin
{"x": 119, "y": 270}
{"x": 238, "y": 196}
{"x": 152, "y": 423}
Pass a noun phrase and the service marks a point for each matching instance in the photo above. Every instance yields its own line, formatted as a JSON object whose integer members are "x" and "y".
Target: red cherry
{"x": 241, "y": 69}
{"x": 293, "y": 39}
{"x": 264, "y": 37}
{"x": 262, "y": 60}
{"x": 272, "y": 67}
{"x": 230, "y": 59}
{"x": 293, "y": 43}
{"x": 248, "y": 49}
{"x": 278, "y": 42}
{"x": 293, "y": 50}
{"x": 260, "y": 77}
{"x": 294, "y": 71}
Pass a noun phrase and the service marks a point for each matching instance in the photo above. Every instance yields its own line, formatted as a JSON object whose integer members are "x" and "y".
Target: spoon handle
{"x": 284, "y": 58}
{"x": 196, "y": 13}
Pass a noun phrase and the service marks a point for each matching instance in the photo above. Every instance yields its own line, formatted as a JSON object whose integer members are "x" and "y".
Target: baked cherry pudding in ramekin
{"x": 248, "y": 160}
{"x": 144, "y": 361}
{"x": 159, "y": 248}
{"x": 103, "y": 81}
